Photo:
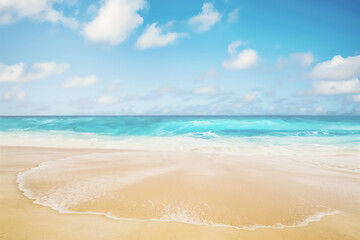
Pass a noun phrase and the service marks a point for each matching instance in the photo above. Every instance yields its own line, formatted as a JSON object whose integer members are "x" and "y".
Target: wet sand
{"x": 196, "y": 196}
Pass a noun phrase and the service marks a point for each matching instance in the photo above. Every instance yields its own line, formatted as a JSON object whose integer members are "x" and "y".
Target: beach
{"x": 64, "y": 193}
{"x": 179, "y": 120}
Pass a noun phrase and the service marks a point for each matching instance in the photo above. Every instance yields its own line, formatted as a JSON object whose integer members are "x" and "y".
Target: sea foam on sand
{"x": 189, "y": 188}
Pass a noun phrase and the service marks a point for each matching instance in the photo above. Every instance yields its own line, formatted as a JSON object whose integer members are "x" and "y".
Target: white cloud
{"x": 243, "y": 60}
{"x": 337, "y": 87}
{"x": 338, "y": 76}
{"x": 300, "y": 59}
{"x": 76, "y": 81}
{"x": 115, "y": 21}
{"x": 14, "y": 93}
{"x": 206, "y": 19}
{"x": 355, "y": 98}
{"x": 233, "y": 15}
{"x": 251, "y": 97}
{"x": 207, "y": 90}
{"x": 107, "y": 100}
{"x": 42, "y": 10}
{"x": 20, "y": 72}
{"x": 338, "y": 68}
{"x": 154, "y": 37}
{"x": 232, "y": 46}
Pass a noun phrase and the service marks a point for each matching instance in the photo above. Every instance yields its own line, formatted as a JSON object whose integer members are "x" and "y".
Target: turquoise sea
{"x": 285, "y": 135}
{"x": 196, "y": 126}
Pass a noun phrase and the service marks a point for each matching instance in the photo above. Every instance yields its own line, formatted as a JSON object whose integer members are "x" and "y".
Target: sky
{"x": 190, "y": 57}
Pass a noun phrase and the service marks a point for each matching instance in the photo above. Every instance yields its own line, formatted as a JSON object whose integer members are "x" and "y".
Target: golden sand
{"x": 196, "y": 196}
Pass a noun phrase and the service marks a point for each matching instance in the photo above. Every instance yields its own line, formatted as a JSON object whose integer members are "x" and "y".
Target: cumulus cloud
{"x": 76, "y": 81}
{"x": 207, "y": 90}
{"x": 42, "y": 10}
{"x": 14, "y": 93}
{"x": 115, "y": 21}
{"x": 337, "y": 69}
{"x": 337, "y": 87}
{"x": 107, "y": 100}
{"x": 242, "y": 60}
{"x": 20, "y": 72}
{"x": 206, "y": 19}
{"x": 338, "y": 76}
{"x": 299, "y": 59}
{"x": 154, "y": 37}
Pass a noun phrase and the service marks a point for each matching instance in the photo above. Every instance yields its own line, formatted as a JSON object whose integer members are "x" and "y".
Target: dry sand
{"x": 205, "y": 189}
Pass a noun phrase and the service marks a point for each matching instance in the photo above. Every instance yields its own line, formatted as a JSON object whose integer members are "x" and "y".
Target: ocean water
{"x": 193, "y": 126}
{"x": 302, "y": 138}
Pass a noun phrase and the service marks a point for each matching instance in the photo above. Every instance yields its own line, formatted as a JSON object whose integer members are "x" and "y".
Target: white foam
{"x": 182, "y": 216}
{"x": 295, "y": 149}
{"x": 76, "y": 192}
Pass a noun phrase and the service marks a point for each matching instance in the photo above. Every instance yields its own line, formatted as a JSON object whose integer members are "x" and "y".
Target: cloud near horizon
{"x": 337, "y": 87}
{"x": 338, "y": 76}
{"x": 77, "y": 81}
{"x": 107, "y": 100}
{"x": 21, "y": 73}
{"x": 14, "y": 94}
{"x": 337, "y": 69}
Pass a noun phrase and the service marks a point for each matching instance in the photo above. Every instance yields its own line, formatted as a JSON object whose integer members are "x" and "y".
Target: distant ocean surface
{"x": 210, "y": 134}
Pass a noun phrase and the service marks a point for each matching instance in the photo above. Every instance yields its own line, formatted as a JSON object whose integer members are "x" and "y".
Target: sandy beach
{"x": 159, "y": 195}
{"x": 179, "y": 120}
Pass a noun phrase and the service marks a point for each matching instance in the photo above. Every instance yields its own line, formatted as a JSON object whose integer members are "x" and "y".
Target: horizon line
{"x": 185, "y": 115}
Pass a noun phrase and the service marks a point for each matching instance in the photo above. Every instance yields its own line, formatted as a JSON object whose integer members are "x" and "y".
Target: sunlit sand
{"x": 160, "y": 195}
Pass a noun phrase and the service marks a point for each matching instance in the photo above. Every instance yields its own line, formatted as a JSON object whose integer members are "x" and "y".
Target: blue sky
{"x": 65, "y": 57}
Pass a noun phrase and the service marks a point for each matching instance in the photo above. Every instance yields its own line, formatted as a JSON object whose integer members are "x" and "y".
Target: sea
{"x": 208, "y": 134}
